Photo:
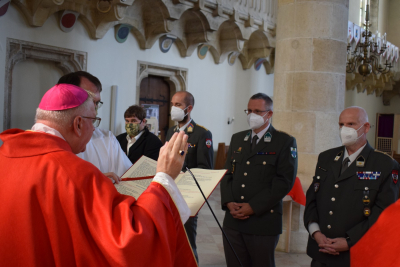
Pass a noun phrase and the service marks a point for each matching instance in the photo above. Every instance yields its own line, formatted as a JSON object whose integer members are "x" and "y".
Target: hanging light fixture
{"x": 366, "y": 57}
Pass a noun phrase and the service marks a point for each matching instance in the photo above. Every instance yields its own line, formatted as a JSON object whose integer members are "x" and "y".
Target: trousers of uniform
{"x": 315, "y": 263}
{"x": 252, "y": 250}
{"x": 191, "y": 231}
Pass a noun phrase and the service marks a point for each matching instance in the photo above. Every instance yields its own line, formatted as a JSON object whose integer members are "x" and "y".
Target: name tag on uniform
{"x": 266, "y": 153}
{"x": 368, "y": 175}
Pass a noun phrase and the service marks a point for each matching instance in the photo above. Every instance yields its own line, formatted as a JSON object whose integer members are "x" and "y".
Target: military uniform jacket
{"x": 337, "y": 202}
{"x": 261, "y": 178}
{"x": 200, "y": 150}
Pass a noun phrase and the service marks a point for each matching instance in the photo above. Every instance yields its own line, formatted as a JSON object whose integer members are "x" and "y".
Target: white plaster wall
{"x": 383, "y": 17}
{"x": 354, "y": 11}
{"x": 31, "y": 80}
{"x": 372, "y": 105}
{"x": 221, "y": 91}
{"x": 394, "y": 22}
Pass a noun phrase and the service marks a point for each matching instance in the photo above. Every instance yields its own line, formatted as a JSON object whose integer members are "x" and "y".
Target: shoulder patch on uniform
{"x": 376, "y": 150}
{"x": 202, "y": 127}
{"x": 284, "y": 132}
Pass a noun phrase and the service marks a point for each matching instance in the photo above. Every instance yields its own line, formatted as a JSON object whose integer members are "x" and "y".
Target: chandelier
{"x": 366, "y": 56}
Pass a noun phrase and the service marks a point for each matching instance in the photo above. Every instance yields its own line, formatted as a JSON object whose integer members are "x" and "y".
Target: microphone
{"x": 215, "y": 217}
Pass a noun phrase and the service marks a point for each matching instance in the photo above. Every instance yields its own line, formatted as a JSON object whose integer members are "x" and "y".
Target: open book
{"x": 140, "y": 175}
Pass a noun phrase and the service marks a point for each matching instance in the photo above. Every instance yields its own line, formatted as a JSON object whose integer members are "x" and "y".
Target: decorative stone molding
{"x": 243, "y": 26}
{"x": 389, "y": 94}
{"x": 17, "y": 50}
{"x": 176, "y": 77}
{"x": 385, "y": 85}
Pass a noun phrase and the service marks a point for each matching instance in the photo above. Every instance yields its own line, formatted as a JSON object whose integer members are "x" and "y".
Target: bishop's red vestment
{"x": 380, "y": 246}
{"x": 59, "y": 210}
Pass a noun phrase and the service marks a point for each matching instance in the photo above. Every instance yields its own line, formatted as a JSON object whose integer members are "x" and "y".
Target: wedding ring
{"x": 181, "y": 152}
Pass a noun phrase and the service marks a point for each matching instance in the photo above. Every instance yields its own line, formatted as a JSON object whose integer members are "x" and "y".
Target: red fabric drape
{"x": 297, "y": 193}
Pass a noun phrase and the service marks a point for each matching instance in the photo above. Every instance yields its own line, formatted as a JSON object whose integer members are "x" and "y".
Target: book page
{"x": 133, "y": 188}
{"x": 207, "y": 179}
{"x": 143, "y": 167}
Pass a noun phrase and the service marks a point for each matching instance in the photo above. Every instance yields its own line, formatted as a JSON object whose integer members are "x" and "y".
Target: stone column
{"x": 309, "y": 84}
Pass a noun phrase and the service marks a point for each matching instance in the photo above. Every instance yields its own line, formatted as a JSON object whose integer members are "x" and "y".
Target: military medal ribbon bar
{"x": 368, "y": 175}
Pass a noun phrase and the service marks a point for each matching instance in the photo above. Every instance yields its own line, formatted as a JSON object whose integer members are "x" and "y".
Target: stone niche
{"x": 66, "y": 60}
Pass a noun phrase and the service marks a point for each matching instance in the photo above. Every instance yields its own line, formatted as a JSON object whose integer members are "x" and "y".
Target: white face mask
{"x": 178, "y": 114}
{"x": 255, "y": 121}
{"x": 349, "y": 135}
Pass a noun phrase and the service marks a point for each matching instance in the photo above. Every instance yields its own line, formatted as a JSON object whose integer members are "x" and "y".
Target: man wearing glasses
{"x": 103, "y": 149}
{"x": 262, "y": 167}
{"x": 60, "y": 210}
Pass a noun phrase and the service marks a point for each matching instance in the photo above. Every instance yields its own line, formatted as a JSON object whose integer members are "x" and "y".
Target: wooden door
{"x": 155, "y": 90}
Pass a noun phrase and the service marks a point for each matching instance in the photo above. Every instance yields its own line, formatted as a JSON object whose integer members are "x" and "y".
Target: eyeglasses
{"x": 98, "y": 104}
{"x": 96, "y": 121}
{"x": 248, "y": 111}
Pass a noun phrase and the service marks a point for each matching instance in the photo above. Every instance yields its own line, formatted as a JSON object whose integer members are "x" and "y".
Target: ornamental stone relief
{"x": 243, "y": 26}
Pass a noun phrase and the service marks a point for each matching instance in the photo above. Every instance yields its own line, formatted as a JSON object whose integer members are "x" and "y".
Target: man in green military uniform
{"x": 352, "y": 185}
{"x": 262, "y": 167}
{"x": 200, "y": 149}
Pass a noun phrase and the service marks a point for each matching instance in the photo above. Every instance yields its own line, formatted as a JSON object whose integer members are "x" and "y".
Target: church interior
{"x": 300, "y": 53}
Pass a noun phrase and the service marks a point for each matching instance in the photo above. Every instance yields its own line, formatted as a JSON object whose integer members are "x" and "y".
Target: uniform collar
{"x": 353, "y": 156}
{"x": 260, "y": 134}
{"x": 186, "y": 125}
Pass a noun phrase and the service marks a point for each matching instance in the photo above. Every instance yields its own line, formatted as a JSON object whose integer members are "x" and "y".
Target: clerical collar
{"x": 353, "y": 156}
{"x": 260, "y": 134}
{"x": 186, "y": 125}
{"x": 40, "y": 127}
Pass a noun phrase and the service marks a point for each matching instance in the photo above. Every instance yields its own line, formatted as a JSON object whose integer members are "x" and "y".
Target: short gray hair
{"x": 63, "y": 117}
{"x": 268, "y": 101}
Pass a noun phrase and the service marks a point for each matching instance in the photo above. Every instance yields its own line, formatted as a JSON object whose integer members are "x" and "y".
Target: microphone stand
{"x": 215, "y": 217}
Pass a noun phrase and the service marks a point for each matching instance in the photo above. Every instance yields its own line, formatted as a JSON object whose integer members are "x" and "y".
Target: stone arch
{"x": 176, "y": 77}
{"x": 67, "y": 60}
{"x": 191, "y": 30}
{"x": 230, "y": 39}
{"x": 258, "y": 46}
{"x": 150, "y": 20}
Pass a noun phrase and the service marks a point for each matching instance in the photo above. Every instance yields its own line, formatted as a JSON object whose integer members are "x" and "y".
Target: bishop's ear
{"x": 78, "y": 125}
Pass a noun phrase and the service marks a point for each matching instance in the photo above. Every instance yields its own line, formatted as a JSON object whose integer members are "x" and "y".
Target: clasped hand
{"x": 240, "y": 211}
{"x": 170, "y": 161}
{"x": 330, "y": 245}
{"x": 113, "y": 177}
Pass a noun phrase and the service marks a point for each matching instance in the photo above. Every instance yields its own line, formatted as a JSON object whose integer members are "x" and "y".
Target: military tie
{"x": 345, "y": 165}
{"x": 254, "y": 142}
